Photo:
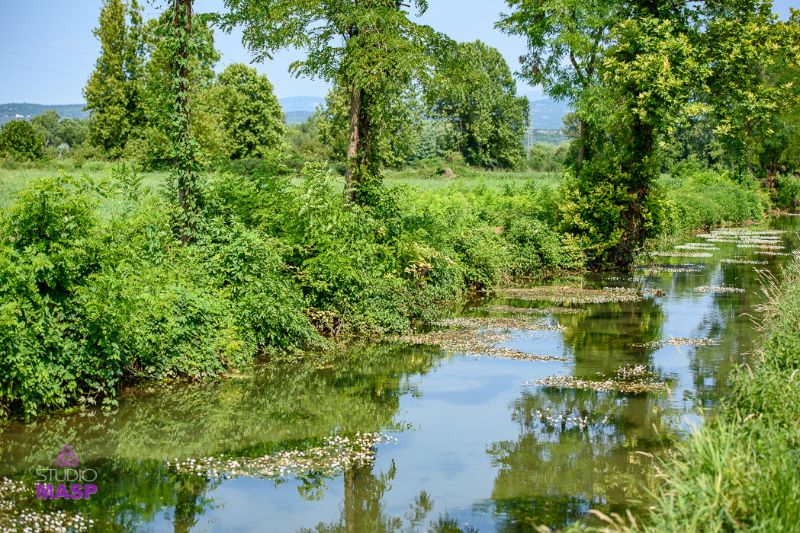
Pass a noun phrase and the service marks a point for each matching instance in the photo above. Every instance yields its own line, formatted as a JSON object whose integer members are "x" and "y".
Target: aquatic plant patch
{"x": 670, "y": 269}
{"x": 718, "y": 289}
{"x": 535, "y": 310}
{"x": 336, "y": 454}
{"x": 697, "y": 246}
{"x": 762, "y": 246}
{"x": 575, "y": 419}
{"x": 742, "y": 261}
{"x": 573, "y": 295}
{"x": 510, "y": 353}
{"x": 770, "y": 253}
{"x": 16, "y": 513}
{"x": 697, "y": 255}
{"x": 679, "y": 341}
{"x": 455, "y": 340}
{"x": 630, "y": 379}
{"x": 501, "y": 323}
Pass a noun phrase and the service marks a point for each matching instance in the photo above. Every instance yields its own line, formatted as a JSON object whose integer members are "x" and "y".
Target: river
{"x": 453, "y": 441}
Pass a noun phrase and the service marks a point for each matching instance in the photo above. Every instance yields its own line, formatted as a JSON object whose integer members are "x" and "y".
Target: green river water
{"x": 471, "y": 447}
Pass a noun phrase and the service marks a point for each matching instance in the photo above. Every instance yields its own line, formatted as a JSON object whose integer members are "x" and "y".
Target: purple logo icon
{"x": 67, "y": 457}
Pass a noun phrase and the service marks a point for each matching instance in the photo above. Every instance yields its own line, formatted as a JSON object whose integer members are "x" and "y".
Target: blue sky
{"x": 47, "y": 49}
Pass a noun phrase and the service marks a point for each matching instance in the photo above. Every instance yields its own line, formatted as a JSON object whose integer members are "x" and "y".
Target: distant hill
{"x": 296, "y": 117}
{"x": 547, "y": 114}
{"x": 28, "y": 111}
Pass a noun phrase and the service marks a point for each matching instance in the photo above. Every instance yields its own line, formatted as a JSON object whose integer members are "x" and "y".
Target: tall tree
{"x": 566, "y": 44}
{"x": 111, "y": 92}
{"x": 749, "y": 53}
{"x": 474, "y": 89}
{"x": 369, "y": 47}
{"x": 250, "y": 113}
{"x": 153, "y": 145}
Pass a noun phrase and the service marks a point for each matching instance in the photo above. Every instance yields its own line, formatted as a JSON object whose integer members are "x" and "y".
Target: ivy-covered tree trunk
{"x": 183, "y": 148}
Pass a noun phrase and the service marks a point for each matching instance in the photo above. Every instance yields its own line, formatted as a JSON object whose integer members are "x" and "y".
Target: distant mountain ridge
{"x": 296, "y": 108}
{"x": 546, "y": 114}
{"x": 27, "y": 111}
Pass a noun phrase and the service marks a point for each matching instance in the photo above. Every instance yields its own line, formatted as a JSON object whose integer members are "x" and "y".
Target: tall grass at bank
{"x": 740, "y": 471}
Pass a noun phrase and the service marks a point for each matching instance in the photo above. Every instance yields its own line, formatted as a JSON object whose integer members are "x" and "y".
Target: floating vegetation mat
{"x": 535, "y": 310}
{"x": 737, "y": 232}
{"x": 718, "y": 289}
{"x": 510, "y": 353}
{"x": 457, "y": 341}
{"x": 334, "y": 455}
{"x": 762, "y": 246}
{"x": 697, "y": 246}
{"x": 13, "y": 519}
{"x": 681, "y": 254}
{"x": 632, "y": 379}
{"x": 672, "y": 269}
{"x": 478, "y": 343}
{"x": 573, "y": 295}
{"x": 498, "y": 323}
{"x": 742, "y": 261}
{"x": 766, "y": 252}
{"x": 678, "y": 341}
{"x": 722, "y": 240}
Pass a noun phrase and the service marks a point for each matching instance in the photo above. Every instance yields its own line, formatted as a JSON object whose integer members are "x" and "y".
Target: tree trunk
{"x": 583, "y": 141}
{"x": 353, "y": 144}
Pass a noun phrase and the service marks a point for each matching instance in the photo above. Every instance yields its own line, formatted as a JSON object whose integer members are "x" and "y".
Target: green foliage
{"x": 593, "y": 209}
{"x": 58, "y": 133}
{"x": 250, "y": 113}
{"x": 20, "y": 140}
{"x": 547, "y": 157}
{"x": 370, "y": 50}
{"x": 250, "y": 268}
{"x": 112, "y": 91}
{"x": 704, "y": 198}
{"x": 474, "y": 89}
{"x": 787, "y": 192}
{"x": 87, "y": 304}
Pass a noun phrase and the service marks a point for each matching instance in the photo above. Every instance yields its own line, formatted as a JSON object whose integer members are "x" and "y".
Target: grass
{"x": 16, "y": 176}
{"x": 739, "y": 472}
{"x": 427, "y": 175}
{"x": 424, "y": 176}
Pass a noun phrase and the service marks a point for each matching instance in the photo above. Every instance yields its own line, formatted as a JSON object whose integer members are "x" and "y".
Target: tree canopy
{"x": 474, "y": 89}
{"x": 371, "y": 48}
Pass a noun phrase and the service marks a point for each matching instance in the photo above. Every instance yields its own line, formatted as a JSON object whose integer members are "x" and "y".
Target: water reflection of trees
{"x": 606, "y": 336}
{"x": 576, "y": 448}
{"x": 555, "y": 471}
{"x": 357, "y": 391}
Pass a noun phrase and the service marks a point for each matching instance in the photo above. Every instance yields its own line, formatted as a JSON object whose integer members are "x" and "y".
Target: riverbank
{"x": 98, "y": 292}
{"x": 739, "y": 471}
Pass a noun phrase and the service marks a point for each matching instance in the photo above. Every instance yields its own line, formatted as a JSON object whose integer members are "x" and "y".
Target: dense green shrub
{"x": 537, "y": 248}
{"x": 87, "y": 303}
{"x": 249, "y": 267}
{"x": 20, "y": 140}
{"x": 705, "y": 198}
{"x": 594, "y": 210}
{"x": 787, "y": 191}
